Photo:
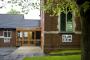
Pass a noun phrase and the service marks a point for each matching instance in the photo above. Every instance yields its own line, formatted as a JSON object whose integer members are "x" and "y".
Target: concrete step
{"x": 26, "y": 51}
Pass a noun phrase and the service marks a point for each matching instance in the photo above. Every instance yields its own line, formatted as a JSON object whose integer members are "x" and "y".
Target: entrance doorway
{"x": 28, "y": 38}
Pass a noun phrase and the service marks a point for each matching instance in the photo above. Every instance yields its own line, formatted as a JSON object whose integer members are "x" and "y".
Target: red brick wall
{"x": 1, "y": 33}
{"x": 12, "y": 41}
{"x": 78, "y": 24}
{"x": 50, "y": 23}
{"x": 1, "y": 39}
{"x": 54, "y": 40}
{"x": 74, "y": 44}
{"x": 1, "y": 42}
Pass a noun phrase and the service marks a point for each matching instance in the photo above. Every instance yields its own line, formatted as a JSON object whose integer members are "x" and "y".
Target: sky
{"x": 33, "y": 13}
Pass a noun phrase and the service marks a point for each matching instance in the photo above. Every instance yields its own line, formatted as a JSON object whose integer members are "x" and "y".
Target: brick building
{"x": 50, "y": 32}
{"x": 17, "y": 31}
{"x": 62, "y": 32}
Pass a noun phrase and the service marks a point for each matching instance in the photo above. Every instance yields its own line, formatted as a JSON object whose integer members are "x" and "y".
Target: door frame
{"x": 28, "y": 30}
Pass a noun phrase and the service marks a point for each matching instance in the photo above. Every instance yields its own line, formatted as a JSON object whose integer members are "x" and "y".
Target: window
{"x": 7, "y": 36}
{"x": 20, "y": 34}
{"x": 38, "y": 37}
{"x": 25, "y": 34}
{"x": 66, "y": 38}
{"x": 66, "y": 24}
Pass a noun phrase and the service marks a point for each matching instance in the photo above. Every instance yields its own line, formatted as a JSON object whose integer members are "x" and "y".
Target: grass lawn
{"x": 65, "y": 51}
{"x": 69, "y": 57}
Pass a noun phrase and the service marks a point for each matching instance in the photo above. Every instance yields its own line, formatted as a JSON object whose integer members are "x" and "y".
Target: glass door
{"x": 19, "y": 38}
{"x": 31, "y": 38}
{"x": 38, "y": 38}
{"x": 25, "y": 38}
{"x": 28, "y": 38}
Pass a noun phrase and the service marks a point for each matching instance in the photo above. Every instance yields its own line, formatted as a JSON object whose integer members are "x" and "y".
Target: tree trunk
{"x": 85, "y": 35}
{"x": 85, "y": 24}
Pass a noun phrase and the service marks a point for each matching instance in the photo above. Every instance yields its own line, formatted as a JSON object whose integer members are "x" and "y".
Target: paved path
{"x": 20, "y": 53}
{"x": 28, "y": 51}
{"x": 4, "y": 52}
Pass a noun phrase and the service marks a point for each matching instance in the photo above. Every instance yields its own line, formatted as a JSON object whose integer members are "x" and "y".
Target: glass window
{"x": 7, "y": 36}
{"x": 69, "y": 22}
{"x": 66, "y": 24}
{"x": 25, "y": 34}
{"x": 33, "y": 35}
{"x": 18, "y": 34}
{"x": 38, "y": 34}
{"x": 63, "y": 21}
{"x": 21, "y": 33}
{"x": 7, "y": 33}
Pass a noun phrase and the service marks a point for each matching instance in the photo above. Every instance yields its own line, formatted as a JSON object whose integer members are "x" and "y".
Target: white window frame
{"x": 25, "y": 34}
{"x": 66, "y": 38}
{"x": 73, "y": 22}
{"x": 20, "y": 34}
{"x": 7, "y": 39}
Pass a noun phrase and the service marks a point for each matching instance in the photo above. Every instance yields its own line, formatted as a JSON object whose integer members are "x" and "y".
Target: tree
{"x": 24, "y": 5}
{"x": 84, "y": 7}
{"x": 53, "y": 7}
{"x": 12, "y": 11}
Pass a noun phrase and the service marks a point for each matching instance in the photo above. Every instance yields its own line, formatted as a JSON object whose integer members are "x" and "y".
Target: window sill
{"x": 66, "y": 32}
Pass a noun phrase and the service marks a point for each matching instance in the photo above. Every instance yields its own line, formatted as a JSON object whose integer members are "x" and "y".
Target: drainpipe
{"x": 42, "y": 24}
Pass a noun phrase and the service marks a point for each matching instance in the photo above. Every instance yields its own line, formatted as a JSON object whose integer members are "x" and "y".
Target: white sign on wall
{"x": 66, "y": 38}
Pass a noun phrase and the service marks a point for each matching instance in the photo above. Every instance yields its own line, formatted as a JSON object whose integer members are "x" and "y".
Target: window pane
{"x": 18, "y": 33}
{"x": 38, "y": 34}
{"x": 69, "y": 22}
{"x": 21, "y": 33}
{"x": 32, "y": 35}
{"x": 63, "y": 21}
{"x": 25, "y": 34}
{"x": 69, "y": 17}
{"x": 9, "y": 34}
{"x": 5, "y": 34}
